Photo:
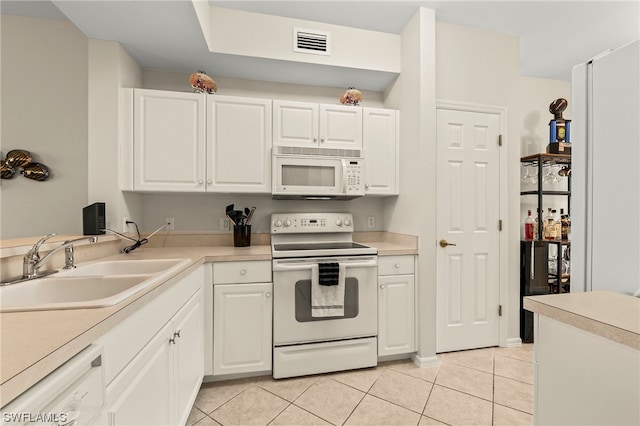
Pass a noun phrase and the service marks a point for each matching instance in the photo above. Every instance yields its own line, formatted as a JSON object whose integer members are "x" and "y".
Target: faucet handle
{"x": 36, "y": 246}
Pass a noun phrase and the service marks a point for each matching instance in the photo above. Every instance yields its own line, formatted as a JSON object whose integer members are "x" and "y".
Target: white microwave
{"x": 317, "y": 173}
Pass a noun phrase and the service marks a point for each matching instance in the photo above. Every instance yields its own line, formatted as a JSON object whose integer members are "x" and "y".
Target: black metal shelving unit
{"x": 535, "y": 277}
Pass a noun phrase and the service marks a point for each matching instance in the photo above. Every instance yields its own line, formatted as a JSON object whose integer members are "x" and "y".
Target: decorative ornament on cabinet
{"x": 201, "y": 82}
{"x": 21, "y": 159}
{"x": 351, "y": 96}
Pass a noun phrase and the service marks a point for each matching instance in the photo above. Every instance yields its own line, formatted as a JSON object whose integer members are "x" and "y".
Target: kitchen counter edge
{"x": 611, "y": 315}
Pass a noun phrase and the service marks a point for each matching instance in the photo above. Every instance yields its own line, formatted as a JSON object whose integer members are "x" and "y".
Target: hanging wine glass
{"x": 550, "y": 178}
{"x": 533, "y": 175}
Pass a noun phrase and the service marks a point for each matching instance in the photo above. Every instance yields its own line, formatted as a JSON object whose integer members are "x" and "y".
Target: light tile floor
{"x": 490, "y": 386}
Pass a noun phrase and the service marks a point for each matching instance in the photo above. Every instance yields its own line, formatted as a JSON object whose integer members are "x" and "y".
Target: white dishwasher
{"x": 73, "y": 394}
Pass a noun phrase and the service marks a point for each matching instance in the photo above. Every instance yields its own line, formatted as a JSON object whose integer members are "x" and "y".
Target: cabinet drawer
{"x": 242, "y": 272}
{"x": 395, "y": 265}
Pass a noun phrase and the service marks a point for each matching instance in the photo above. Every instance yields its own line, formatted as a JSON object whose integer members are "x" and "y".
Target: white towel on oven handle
{"x": 327, "y": 301}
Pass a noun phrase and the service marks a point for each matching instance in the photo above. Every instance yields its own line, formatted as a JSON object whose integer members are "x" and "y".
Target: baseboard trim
{"x": 424, "y": 361}
{"x": 513, "y": 342}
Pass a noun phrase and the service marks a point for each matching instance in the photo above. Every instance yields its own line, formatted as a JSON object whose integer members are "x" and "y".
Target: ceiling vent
{"x": 311, "y": 41}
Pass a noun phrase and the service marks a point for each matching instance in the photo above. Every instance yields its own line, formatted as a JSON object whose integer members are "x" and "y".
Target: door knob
{"x": 444, "y": 243}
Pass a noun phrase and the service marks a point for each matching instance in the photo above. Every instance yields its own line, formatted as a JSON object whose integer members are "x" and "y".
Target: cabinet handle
{"x": 200, "y": 182}
{"x": 267, "y": 295}
{"x": 173, "y": 339}
{"x": 322, "y": 139}
{"x": 382, "y": 286}
{"x": 177, "y": 333}
{"x": 397, "y": 266}
{"x": 209, "y": 181}
{"x": 366, "y": 186}
{"x": 243, "y": 272}
{"x": 315, "y": 139}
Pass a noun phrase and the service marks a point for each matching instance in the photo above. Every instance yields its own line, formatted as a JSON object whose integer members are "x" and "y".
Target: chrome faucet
{"x": 32, "y": 262}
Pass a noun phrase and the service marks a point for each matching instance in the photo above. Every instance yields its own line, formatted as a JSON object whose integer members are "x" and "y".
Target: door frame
{"x": 503, "y": 191}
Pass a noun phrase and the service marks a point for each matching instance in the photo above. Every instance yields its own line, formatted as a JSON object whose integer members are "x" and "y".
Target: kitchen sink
{"x": 91, "y": 285}
{"x": 124, "y": 267}
{"x": 70, "y": 292}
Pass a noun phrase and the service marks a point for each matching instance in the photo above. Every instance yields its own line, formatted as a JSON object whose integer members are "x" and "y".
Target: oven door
{"x": 292, "y": 320}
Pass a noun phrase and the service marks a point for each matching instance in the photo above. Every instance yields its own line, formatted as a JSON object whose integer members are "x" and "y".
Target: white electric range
{"x": 307, "y": 344}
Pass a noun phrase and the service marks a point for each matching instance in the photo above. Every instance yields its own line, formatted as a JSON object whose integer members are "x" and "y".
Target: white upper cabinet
{"x": 304, "y": 124}
{"x": 381, "y": 143}
{"x": 238, "y": 144}
{"x": 168, "y": 141}
{"x": 193, "y": 142}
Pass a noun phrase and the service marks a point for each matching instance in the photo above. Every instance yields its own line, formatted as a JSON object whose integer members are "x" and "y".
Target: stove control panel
{"x": 298, "y": 223}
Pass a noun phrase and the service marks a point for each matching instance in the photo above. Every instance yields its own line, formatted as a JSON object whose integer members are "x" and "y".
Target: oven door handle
{"x": 306, "y": 266}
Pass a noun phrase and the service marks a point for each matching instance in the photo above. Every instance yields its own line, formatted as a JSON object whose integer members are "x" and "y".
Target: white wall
{"x": 413, "y": 212}
{"x": 163, "y": 80}
{"x": 44, "y": 110}
{"x": 266, "y": 36}
{"x": 110, "y": 68}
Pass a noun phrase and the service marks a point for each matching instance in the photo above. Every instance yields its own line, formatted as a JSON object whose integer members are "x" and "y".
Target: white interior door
{"x": 468, "y": 200}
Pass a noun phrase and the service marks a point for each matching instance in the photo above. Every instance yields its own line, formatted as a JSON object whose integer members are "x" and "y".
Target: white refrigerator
{"x": 605, "y": 201}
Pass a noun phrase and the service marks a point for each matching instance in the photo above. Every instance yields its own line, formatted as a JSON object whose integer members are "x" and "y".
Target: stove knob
{"x": 287, "y": 223}
{"x": 339, "y": 222}
{"x": 277, "y": 223}
{"x": 347, "y": 222}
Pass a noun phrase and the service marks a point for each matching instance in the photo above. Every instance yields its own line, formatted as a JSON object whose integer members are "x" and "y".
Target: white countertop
{"x": 615, "y": 316}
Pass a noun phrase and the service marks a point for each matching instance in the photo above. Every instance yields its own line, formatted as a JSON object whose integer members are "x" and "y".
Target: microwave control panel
{"x": 354, "y": 177}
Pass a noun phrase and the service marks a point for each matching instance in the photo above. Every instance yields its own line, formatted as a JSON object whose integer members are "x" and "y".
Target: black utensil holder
{"x": 242, "y": 235}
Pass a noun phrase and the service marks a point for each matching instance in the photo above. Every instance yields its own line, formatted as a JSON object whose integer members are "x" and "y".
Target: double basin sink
{"x": 92, "y": 285}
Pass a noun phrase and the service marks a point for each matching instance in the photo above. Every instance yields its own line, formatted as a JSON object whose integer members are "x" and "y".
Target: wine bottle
{"x": 557, "y": 231}
{"x": 529, "y": 227}
{"x": 566, "y": 224}
{"x": 549, "y": 226}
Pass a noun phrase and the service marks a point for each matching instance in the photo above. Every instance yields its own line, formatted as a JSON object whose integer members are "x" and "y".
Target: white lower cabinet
{"x": 242, "y": 317}
{"x": 396, "y": 305}
{"x": 146, "y": 397}
{"x": 188, "y": 347}
{"x": 158, "y": 384}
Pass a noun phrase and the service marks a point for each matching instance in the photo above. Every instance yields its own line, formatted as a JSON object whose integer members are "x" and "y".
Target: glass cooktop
{"x": 318, "y": 246}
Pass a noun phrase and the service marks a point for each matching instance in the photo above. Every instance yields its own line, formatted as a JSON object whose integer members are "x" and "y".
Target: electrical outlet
{"x": 224, "y": 224}
{"x": 170, "y": 222}
{"x": 371, "y": 221}
{"x": 125, "y": 226}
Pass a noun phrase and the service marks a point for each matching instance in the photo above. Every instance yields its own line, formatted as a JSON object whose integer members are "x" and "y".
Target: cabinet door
{"x": 189, "y": 355}
{"x": 340, "y": 127}
{"x": 396, "y": 318}
{"x": 143, "y": 391}
{"x": 381, "y": 151}
{"x": 242, "y": 328}
{"x": 295, "y": 123}
{"x": 168, "y": 141}
{"x": 238, "y": 144}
